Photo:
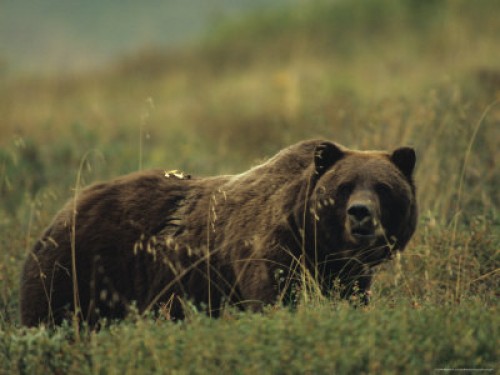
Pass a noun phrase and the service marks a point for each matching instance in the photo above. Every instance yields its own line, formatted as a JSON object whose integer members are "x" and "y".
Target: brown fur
{"x": 154, "y": 238}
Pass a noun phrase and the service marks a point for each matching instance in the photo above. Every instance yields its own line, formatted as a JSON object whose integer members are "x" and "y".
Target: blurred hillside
{"x": 51, "y": 36}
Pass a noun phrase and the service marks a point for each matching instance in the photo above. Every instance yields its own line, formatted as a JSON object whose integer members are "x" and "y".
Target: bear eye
{"x": 345, "y": 189}
{"x": 383, "y": 189}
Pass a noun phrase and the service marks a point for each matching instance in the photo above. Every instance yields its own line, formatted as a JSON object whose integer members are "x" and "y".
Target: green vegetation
{"x": 316, "y": 339}
{"x": 368, "y": 74}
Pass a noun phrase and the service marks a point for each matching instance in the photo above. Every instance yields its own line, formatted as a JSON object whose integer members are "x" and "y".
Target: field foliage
{"x": 371, "y": 74}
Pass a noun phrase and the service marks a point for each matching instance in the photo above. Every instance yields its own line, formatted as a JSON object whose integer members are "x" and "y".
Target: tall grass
{"x": 369, "y": 74}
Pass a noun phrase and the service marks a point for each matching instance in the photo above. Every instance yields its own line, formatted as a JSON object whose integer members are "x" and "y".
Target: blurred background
{"x": 97, "y": 89}
{"x": 57, "y": 36}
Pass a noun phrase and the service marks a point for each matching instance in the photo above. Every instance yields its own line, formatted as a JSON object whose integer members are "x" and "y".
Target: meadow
{"x": 372, "y": 74}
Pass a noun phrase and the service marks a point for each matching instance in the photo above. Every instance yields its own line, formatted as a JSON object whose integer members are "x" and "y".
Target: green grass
{"x": 316, "y": 339}
{"x": 368, "y": 74}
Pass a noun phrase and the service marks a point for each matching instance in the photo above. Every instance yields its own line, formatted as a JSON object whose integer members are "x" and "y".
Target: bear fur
{"x": 315, "y": 211}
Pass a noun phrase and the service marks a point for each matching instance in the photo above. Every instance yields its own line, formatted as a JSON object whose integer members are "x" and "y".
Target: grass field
{"x": 369, "y": 74}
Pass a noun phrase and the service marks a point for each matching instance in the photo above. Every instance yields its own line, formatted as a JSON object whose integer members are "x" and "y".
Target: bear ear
{"x": 325, "y": 155}
{"x": 404, "y": 158}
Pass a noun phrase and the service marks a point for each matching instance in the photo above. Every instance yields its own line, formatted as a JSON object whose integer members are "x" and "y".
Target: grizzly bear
{"x": 316, "y": 212}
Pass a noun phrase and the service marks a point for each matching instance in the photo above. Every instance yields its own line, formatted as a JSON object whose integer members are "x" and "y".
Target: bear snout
{"x": 363, "y": 226}
{"x": 361, "y": 219}
{"x": 359, "y": 212}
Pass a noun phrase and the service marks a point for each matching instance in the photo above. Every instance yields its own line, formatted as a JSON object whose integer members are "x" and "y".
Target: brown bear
{"x": 316, "y": 212}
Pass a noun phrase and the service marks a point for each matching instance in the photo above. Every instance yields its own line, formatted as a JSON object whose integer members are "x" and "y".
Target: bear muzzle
{"x": 362, "y": 223}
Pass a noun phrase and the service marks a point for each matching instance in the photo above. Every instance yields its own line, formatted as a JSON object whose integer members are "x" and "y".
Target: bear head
{"x": 363, "y": 202}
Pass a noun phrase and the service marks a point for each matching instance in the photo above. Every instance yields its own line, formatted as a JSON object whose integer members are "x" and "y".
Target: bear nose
{"x": 359, "y": 212}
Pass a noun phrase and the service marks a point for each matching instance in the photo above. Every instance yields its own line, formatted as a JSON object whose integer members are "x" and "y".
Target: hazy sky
{"x": 64, "y": 35}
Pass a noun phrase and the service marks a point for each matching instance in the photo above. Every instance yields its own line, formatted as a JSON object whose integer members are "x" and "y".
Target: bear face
{"x": 365, "y": 201}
